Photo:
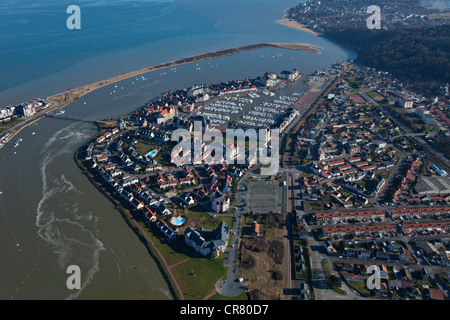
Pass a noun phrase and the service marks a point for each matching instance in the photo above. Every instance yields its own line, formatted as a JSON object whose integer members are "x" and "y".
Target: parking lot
{"x": 264, "y": 196}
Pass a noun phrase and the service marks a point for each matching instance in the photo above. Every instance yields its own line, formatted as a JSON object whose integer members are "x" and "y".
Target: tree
{"x": 334, "y": 281}
{"x": 277, "y": 275}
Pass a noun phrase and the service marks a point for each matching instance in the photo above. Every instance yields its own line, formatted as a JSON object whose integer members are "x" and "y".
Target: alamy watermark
{"x": 244, "y": 147}
{"x": 74, "y": 20}
{"x": 374, "y": 280}
{"x": 73, "y": 281}
{"x": 374, "y": 21}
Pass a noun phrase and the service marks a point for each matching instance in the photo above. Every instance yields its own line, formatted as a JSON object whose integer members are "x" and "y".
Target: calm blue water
{"x": 39, "y": 56}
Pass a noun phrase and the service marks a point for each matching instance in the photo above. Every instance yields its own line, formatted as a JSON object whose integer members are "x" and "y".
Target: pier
{"x": 74, "y": 118}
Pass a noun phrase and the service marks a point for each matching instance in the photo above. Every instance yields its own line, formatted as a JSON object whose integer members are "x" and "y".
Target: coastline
{"x": 296, "y": 25}
{"x": 67, "y": 97}
{"x": 61, "y": 100}
{"x": 164, "y": 268}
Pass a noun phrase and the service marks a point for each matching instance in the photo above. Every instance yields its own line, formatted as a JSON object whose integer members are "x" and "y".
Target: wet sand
{"x": 65, "y": 98}
{"x": 296, "y": 25}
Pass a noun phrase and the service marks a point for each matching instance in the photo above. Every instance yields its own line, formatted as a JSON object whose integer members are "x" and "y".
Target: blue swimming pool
{"x": 178, "y": 221}
{"x": 152, "y": 153}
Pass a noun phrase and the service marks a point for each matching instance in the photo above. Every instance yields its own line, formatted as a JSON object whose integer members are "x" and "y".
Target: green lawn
{"x": 361, "y": 287}
{"x": 361, "y": 183}
{"x": 174, "y": 251}
{"x": 374, "y": 94}
{"x": 384, "y": 174}
{"x": 205, "y": 220}
{"x": 198, "y": 276}
{"x": 145, "y": 147}
{"x": 162, "y": 157}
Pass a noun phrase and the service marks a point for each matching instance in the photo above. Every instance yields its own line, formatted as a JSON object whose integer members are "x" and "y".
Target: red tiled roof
{"x": 325, "y": 215}
{"x": 360, "y": 228}
{"x": 421, "y": 210}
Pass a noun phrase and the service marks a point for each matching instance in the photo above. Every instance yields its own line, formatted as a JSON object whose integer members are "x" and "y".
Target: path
{"x": 169, "y": 268}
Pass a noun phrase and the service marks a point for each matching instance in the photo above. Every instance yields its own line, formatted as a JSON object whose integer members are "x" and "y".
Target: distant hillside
{"x": 413, "y": 44}
{"x": 419, "y": 54}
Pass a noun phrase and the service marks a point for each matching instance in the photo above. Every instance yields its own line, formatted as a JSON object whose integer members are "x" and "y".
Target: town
{"x": 328, "y": 16}
{"x": 360, "y": 178}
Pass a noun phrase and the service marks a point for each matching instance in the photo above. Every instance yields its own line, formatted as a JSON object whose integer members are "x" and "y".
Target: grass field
{"x": 198, "y": 276}
{"x": 173, "y": 251}
{"x": 204, "y": 219}
{"x": 361, "y": 287}
{"x": 374, "y": 94}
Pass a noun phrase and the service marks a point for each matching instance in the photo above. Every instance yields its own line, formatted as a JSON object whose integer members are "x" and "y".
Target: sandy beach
{"x": 65, "y": 98}
{"x": 296, "y": 25}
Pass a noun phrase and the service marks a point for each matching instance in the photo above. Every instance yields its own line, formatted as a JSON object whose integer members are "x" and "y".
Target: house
{"x": 363, "y": 254}
{"x": 383, "y": 254}
{"x": 351, "y": 277}
{"x": 414, "y": 293}
{"x": 163, "y": 209}
{"x": 383, "y": 271}
{"x": 330, "y": 249}
{"x": 423, "y": 274}
{"x": 255, "y": 228}
{"x": 405, "y": 274}
{"x": 363, "y": 270}
{"x": 289, "y": 75}
{"x": 407, "y": 103}
{"x": 127, "y": 195}
{"x": 187, "y": 199}
{"x": 433, "y": 294}
{"x": 219, "y": 202}
{"x": 213, "y": 247}
{"x": 348, "y": 267}
{"x": 137, "y": 204}
{"x": 404, "y": 254}
{"x": 166, "y": 230}
{"x": 398, "y": 284}
{"x": 115, "y": 173}
{"x": 149, "y": 214}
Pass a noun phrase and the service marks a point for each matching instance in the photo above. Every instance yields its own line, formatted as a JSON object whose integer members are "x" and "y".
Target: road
{"x": 230, "y": 286}
{"x": 289, "y": 209}
{"x": 316, "y": 248}
{"x": 408, "y": 131}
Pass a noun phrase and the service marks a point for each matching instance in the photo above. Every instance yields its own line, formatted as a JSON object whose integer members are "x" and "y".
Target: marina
{"x": 253, "y": 111}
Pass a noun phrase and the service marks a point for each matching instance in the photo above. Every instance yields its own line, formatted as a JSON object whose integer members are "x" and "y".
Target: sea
{"x": 51, "y": 216}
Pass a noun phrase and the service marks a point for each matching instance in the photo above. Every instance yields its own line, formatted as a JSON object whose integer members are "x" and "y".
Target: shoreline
{"x": 63, "y": 99}
{"x": 290, "y": 23}
{"x": 164, "y": 268}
